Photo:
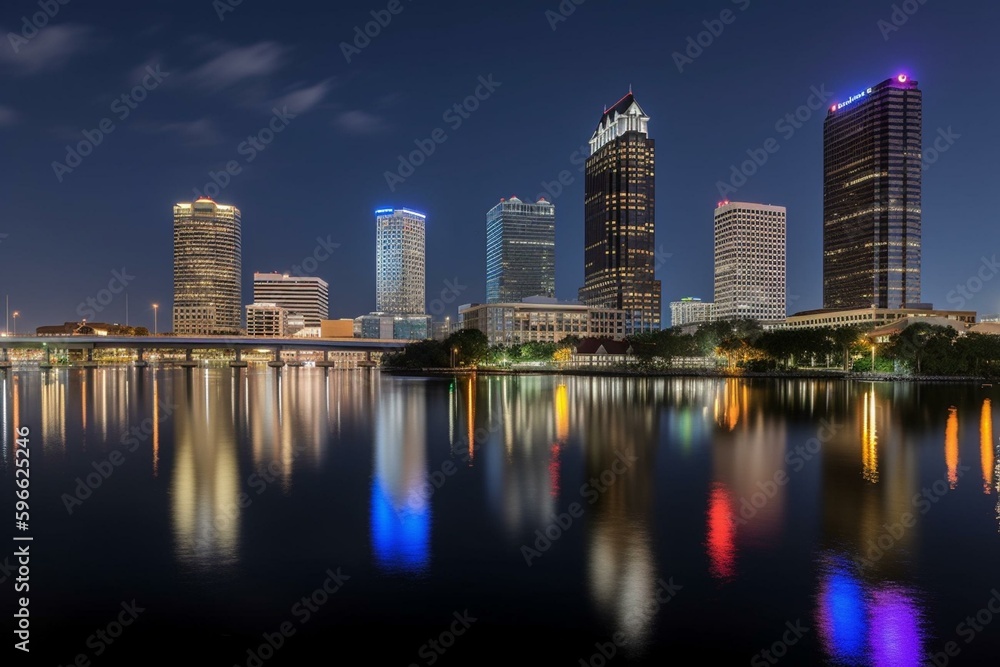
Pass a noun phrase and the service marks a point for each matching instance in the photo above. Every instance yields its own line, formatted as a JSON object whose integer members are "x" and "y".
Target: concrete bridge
{"x": 141, "y": 345}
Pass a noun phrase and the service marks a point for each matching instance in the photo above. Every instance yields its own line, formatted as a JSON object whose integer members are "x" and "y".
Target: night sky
{"x": 323, "y": 175}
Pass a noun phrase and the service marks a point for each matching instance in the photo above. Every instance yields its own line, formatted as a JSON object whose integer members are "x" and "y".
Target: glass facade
{"x": 619, "y": 210}
{"x": 872, "y": 198}
{"x": 520, "y": 251}
{"x": 399, "y": 262}
{"x": 208, "y": 263}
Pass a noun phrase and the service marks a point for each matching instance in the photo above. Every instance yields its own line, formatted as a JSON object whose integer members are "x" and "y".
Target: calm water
{"x": 749, "y": 507}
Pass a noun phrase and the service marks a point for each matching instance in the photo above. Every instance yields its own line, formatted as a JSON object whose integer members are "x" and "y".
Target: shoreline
{"x": 681, "y": 373}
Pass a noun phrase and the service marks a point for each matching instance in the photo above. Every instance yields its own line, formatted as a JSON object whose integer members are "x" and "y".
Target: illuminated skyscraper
{"x": 399, "y": 262}
{"x": 619, "y": 209}
{"x": 520, "y": 251}
{"x": 208, "y": 260}
{"x": 749, "y": 262}
{"x": 872, "y": 173}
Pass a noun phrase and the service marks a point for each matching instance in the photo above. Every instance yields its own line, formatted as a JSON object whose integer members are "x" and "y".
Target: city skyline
{"x": 720, "y": 134}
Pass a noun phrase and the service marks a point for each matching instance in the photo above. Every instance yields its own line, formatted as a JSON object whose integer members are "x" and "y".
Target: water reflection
{"x": 986, "y": 445}
{"x": 722, "y": 533}
{"x": 400, "y": 506}
{"x": 205, "y": 485}
{"x": 615, "y": 421}
{"x": 951, "y": 446}
{"x": 869, "y": 439}
{"x": 863, "y": 623}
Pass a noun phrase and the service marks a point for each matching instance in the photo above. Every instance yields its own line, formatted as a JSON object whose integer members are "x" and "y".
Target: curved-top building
{"x": 208, "y": 264}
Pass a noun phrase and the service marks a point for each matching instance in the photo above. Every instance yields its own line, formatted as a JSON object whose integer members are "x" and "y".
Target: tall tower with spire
{"x": 619, "y": 211}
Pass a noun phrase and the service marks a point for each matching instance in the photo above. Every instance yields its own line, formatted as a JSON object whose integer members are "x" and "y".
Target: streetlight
{"x": 156, "y": 310}
{"x": 16, "y": 314}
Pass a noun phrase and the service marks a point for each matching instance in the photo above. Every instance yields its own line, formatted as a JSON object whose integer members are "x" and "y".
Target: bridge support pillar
{"x": 277, "y": 362}
{"x": 140, "y": 361}
{"x": 4, "y": 358}
{"x": 189, "y": 361}
{"x": 238, "y": 361}
{"x": 326, "y": 363}
{"x": 48, "y": 359}
{"x": 89, "y": 359}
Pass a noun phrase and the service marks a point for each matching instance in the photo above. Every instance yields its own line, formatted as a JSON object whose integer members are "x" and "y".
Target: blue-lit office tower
{"x": 520, "y": 251}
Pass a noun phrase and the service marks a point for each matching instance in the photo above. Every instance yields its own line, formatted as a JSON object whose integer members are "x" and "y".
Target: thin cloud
{"x": 305, "y": 99}
{"x": 359, "y": 122}
{"x": 7, "y": 116}
{"x": 201, "y": 132}
{"x": 50, "y": 49}
{"x": 240, "y": 64}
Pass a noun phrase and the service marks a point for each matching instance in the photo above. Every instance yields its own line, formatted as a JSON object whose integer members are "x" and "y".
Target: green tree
{"x": 470, "y": 345}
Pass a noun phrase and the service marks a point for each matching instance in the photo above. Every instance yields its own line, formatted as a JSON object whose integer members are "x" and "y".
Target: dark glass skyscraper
{"x": 620, "y": 235}
{"x": 872, "y": 173}
{"x": 520, "y": 251}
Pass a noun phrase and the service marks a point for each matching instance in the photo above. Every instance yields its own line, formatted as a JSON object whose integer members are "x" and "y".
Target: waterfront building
{"x": 872, "y": 197}
{"x": 749, "y": 261}
{"x": 208, "y": 261}
{"x": 620, "y": 220}
{"x": 541, "y": 320}
{"x": 520, "y": 250}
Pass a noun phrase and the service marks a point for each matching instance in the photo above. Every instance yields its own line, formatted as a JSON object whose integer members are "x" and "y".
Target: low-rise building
{"x": 873, "y": 317}
{"x": 380, "y": 326}
{"x": 267, "y": 320}
{"x": 691, "y": 310}
{"x": 541, "y": 320}
{"x": 343, "y": 328}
